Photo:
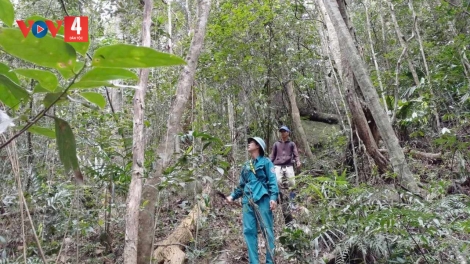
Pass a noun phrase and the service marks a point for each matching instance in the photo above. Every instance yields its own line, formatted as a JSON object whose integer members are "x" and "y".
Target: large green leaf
{"x": 67, "y": 148}
{"x": 39, "y": 89}
{"x": 47, "y": 51}
{"x": 47, "y": 79}
{"x": 89, "y": 84}
{"x": 80, "y": 47}
{"x": 94, "y": 98}
{"x": 50, "y": 98}
{"x": 130, "y": 56}
{"x": 50, "y": 133}
{"x": 11, "y": 93}
{"x": 7, "y": 13}
{"x": 5, "y": 70}
{"x": 108, "y": 74}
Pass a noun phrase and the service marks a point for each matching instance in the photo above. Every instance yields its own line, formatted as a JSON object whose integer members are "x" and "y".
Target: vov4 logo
{"x": 75, "y": 28}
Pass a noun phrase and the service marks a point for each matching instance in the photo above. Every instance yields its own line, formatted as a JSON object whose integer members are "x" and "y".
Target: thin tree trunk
{"x": 138, "y": 150}
{"x": 233, "y": 138}
{"x": 348, "y": 48}
{"x": 297, "y": 122}
{"x": 170, "y": 29}
{"x": 403, "y": 43}
{"x": 166, "y": 147}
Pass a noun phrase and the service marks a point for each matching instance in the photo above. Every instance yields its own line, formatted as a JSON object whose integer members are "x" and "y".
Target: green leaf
{"x": 47, "y": 51}
{"x": 130, "y": 56}
{"x": 51, "y": 97}
{"x": 5, "y": 70}
{"x": 94, "y": 98}
{"x": 80, "y": 47}
{"x": 89, "y": 84}
{"x": 78, "y": 66}
{"x": 11, "y": 93}
{"x": 67, "y": 148}
{"x": 7, "y": 13}
{"x": 39, "y": 89}
{"x": 47, "y": 79}
{"x": 50, "y": 133}
{"x": 108, "y": 74}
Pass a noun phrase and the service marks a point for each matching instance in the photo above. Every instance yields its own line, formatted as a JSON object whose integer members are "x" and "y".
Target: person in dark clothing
{"x": 284, "y": 155}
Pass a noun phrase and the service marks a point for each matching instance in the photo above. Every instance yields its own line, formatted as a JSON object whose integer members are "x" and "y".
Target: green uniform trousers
{"x": 253, "y": 220}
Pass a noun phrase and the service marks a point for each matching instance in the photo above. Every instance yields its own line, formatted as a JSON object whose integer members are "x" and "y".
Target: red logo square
{"x": 76, "y": 29}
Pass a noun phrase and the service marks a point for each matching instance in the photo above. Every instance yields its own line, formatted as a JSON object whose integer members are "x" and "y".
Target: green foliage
{"x": 11, "y": 94}
{"x": 42, "y": 131}
{"x": 130, "y": 56}
{"x": 45, "y": 78}
{"x": 108, "y": 74}
{"x": 369, "y": 224}
{"x": 67, "y": 147}
{"x": 94, "y": 98}
{"x": 7, "y": 14}
{"x": 48, "y": 51}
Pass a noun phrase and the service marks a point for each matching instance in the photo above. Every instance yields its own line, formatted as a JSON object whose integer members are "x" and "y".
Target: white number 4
{"x": 76, "y": 25}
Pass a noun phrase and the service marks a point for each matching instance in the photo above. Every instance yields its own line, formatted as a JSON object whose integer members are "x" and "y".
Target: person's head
{"x": 284, "y": 131}
{"x": 256, "y": 146}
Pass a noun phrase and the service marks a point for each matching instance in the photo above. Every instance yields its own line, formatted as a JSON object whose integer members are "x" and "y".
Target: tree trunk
{"x": 170, "y": 250}
{"x": 165, "y": 148}
{"x": 296, "y": 120}
{"x": 359, "y": 119}
{"x": 170, "y": 29}
{"x": 138, "y": 150}
{"x": 348, "y": 49}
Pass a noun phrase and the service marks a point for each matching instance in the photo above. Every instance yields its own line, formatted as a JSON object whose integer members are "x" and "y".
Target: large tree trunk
{"x": 165, "y": 148}
{"x": 138, "y": 150}
{"x": 348, "y": 49}
{"x": 170, "y": 250}
{"x": 361, "y": 118}
{"x": 296, "y": 120}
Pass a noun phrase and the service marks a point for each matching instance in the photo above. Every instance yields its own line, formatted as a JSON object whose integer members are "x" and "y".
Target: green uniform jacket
{"x": 255, "y": 186}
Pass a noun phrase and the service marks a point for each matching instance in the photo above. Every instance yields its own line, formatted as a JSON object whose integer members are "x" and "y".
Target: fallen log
{"x": 170, "y": 250}
{"x": 419, "y": 154}
{"x": 314, "y": 115}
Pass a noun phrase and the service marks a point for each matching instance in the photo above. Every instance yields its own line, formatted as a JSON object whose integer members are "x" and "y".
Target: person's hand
{"x": 298, "y": 163}
{"x": 272, "y": 205}
{"x": 229, "y": 199}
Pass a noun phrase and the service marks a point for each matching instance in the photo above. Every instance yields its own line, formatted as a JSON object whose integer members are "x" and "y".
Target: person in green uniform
{"x": 259, "y": 191}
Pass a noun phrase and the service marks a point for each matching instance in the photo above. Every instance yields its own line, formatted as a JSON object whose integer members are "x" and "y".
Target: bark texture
{"x": 348, "y": 48}
{"x": 166, "y": 147}
{"x": 138, "y": 150}
{"x": 297, "y": 122}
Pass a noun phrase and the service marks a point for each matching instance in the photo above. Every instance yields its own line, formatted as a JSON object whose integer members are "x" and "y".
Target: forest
{"x": 120, "y": 143}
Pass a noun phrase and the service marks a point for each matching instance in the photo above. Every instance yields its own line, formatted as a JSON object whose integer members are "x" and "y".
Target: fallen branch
{"x": 170, "y": 250}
